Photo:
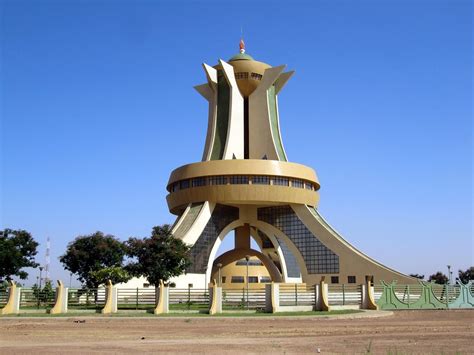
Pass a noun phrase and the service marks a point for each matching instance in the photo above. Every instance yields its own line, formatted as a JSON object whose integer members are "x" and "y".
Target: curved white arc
{"x": 180, "y": 219}
{"x": 234, "y": 145}
{"x": 282, "y": 80}
{"x": 199, "y": 224}
{"x": 279, "y": 130}
{"x": 212, "y": 255}
{"x": 261, "y": 141}
{"x": 211, "y": 74}
{"x": 270, "y": 76}
{"x": 279, "y": 251}
{"x": 271, "y": 230}
{"x": 210, "y": 93}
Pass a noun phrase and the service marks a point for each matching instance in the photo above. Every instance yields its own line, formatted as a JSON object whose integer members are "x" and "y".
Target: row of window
{"x": 245, "y": 75}
{"x": 350, "y": 279}
{"x": 241, "y": 279}
{"x": 241, "y": 180}
{"x": 250, "y": 263}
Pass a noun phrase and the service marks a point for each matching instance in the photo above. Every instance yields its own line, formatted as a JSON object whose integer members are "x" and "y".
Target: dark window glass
{"x": 351, "y": 279}
{"x": 241, "y": 76}
{"x": 261, "y": 180}
{"x": 223, "y": 279}
{"x": 265, "y": 279}
{"x": 308, "y": 186}
{"x": 184, "y": 184}
{"x": 253, "y": 279}
{"x": 221, "y": 217}
{"x": 318, "y": 258}
{"x": 334, "y": 279}
{"x": 237, "y": 280}
{"x": 280, "y": 181}
{"x": 243, "y": 262}
{"x": 239, "y": 179}
{"x": 201, "y": 181}
{"x": 267, "y": 243}
{"x": 218, "y": 180}
{"x": 297, "y": 183}
{"x": 256, "y": 76}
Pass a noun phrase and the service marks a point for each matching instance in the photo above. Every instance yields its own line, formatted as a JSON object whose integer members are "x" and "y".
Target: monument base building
{"x": 246, "y": 184}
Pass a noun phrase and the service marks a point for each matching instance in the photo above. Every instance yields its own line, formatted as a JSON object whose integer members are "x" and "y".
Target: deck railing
{"x": 387, "y": 296}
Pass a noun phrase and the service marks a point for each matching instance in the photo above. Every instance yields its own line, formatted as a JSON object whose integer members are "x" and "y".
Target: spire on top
{"x": 242, "y": 46}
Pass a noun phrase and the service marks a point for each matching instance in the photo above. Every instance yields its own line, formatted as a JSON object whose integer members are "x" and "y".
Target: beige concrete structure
{"x": 162, "y": 306}
{"x": 110, "y": 300}
{"x": 245, "y": 184}
{"x": 60, "y": 305}
{"x": 13, "y": 303}
{"x": 230, "y": 269}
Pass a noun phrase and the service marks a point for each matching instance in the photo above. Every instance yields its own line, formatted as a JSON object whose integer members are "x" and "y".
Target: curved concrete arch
{"x": 279, "y": 251}
{"x": 234, "y": 146}
{"x": 212, "y": 255}
{"x": 269, "y": 230}
{"x": 236, "y": 254}
{"x": 280, "y": 254}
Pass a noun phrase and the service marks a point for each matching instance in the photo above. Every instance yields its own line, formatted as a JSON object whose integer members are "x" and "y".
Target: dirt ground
{"x": 403, "y": 332}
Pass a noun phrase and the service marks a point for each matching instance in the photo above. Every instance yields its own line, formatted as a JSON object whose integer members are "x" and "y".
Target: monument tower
{"x": 246, "y": 184}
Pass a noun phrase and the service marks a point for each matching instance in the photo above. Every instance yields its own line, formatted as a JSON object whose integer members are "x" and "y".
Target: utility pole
{"x": 247, "y": 258}
{"x": 39, "y": 290}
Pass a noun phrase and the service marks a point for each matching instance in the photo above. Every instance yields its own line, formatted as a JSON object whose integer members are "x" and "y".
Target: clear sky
{"x": 98, "y": 106}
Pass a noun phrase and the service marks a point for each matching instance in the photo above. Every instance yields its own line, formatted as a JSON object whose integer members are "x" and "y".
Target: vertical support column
{"x": 13, "y": 304}
{"x": 111, "y": 300}
{"x": 363, "y": 296}
{"x": 368, "y": 299}
{"x": 234, "y": 144}
{"x": 60, "y": 306}
{"x": 322, "y": 303}
{"x": 163, "y": 306}
{"x": 215, "y": 295}
{"x": 272, "y": 297}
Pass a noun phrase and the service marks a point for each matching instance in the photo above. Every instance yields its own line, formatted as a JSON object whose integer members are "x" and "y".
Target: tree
{"x": 47, "y": 293}
{"x": 115, "y": 274}
{"x": 418, "y": 276}
{"x": 90, "y": 253}
{"x": 465, "y": 276}
{"x": 17, "y": 251}
{"x": 439, "y": 278}
{"x": 159, "y": 257}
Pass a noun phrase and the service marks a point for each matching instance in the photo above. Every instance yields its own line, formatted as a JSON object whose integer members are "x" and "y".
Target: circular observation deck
{"x": 240, "y": 182}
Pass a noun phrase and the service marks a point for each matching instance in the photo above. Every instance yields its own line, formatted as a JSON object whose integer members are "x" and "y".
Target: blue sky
{"x": 97, "y": 108}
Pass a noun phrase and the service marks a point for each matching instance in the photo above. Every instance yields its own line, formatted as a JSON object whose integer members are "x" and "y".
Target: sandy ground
{"x": 402, "y": 332}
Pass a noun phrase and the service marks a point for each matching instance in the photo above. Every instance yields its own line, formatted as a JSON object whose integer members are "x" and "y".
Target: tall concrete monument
{"x": 246, "y": 184}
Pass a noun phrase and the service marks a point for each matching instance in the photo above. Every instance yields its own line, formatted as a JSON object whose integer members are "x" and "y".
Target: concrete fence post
{"x": 60, "y": 306}
{"x": 163, "y": 305}
{"x": 317, "y": 297}
{"x": 363, "y": 296}
{"x": 111, "y": 299}
{"x": 215, "y": 295}
{"x": 368, "y": 299}
{"x": 322, "y": 303}
{"x": 13, "y": 303}
{"x": 272, "y": 297}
